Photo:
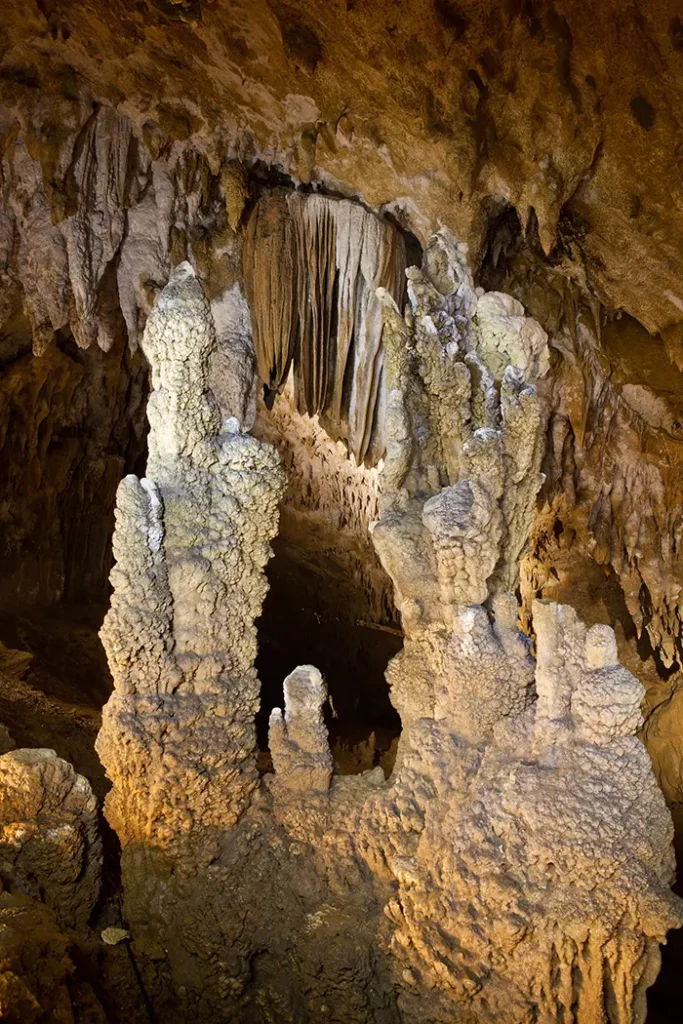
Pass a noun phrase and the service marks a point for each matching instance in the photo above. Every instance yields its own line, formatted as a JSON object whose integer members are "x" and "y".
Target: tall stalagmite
{"x": 192, "y": 538}
{"x": 517, "y": 862}
{"x": 471, "y": 467}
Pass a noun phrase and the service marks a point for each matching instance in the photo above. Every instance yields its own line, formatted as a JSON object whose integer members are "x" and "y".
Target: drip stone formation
{"x": 515, "y": 866}
{"x": 192, "y": 539}
{"x": 313, "y": 265}
{"x": 50, "y": 873}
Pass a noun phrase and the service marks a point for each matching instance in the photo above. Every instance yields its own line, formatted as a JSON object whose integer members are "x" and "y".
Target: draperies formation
{"x": 312, "y": 265}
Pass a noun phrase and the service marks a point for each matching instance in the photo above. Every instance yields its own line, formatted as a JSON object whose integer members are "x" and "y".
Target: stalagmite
{"x": 518, "y": 888}
{"x": 341, "y": 512}
{"x": 299, "y": 737}
{"x": 50, "y": 846}
{"x": 192, "y": 539}
{"x": 517, "y": 862}
{"x": 50, "y": 865}
{"x": 462, "y": 472}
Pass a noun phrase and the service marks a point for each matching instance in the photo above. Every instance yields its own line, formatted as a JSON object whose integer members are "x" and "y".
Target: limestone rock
{"x": 34, "y": 963}
{"x": 516, "y": 865}
{"x": 459, "y": 497}
{"x": 192, "y": 538}
{"x": 523, "y": 845}
{"x": 6, "y": 741}
{"x": 50, "y": 845}
{"x": 439, "y": 113}
{"x": 298, "y": 739}
{"x": 70, "y": 423}
{"x": 517, "y": 862}
{"x": 312, "y": 267}
{"x": 112, "y": 936}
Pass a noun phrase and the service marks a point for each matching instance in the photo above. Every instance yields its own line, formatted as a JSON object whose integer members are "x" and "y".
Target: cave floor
{"x": 54, "y": 680}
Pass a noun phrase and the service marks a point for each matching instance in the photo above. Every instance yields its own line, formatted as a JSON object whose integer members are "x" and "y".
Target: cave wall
{"x": 71, "y": 422}
{"x": 547, "y": 136}
{"x": 122, "y": 158}
{"x": 434, "y": 106}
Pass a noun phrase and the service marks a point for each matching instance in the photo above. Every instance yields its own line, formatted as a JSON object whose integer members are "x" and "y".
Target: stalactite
{"x": 312, "y": 265}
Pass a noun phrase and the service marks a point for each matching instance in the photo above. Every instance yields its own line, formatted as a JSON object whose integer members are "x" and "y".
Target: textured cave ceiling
{"x": 299, "y": 154}
{"x": 545, "y": 135}
{"x": 446, "y": 111}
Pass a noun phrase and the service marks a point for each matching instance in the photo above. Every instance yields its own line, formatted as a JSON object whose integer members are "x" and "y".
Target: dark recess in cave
{"x": 664, "y": 997}
{"x": 311, "y": 617}
{"x": 74, "y": 423}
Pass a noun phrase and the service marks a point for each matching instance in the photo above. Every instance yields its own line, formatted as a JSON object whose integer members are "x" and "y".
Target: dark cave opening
{"x": 73, "y": 422}
{"x": 664, "y": 996}
{"x": 315, "y": 613}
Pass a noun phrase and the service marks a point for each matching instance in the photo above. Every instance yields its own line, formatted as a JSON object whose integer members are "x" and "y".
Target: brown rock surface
{"x": 138, "y": 135}
{"x": 547, "y": 137}
{"x": 50, "y": 844}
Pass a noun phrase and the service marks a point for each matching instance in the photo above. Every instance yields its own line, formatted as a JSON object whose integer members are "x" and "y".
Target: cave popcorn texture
{"x": 50, "y": 864}
{"x": 516, "y": 865}
{"x": 190, "y": 544}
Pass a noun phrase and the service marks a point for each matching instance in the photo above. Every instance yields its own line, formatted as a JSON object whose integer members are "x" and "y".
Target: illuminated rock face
{"x": 516, "y": 864}
{"x": 312, "y": 266}
{"x": 192, "y": 539}
{"x": 119, "y": 164}
{"x": 49, "y": 837}
{"x": 138, "y": 136}
{"x": 51, "y": 857}
{"x": 544, "y": 138}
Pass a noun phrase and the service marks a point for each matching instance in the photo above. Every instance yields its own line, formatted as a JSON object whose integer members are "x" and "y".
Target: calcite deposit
{"x": 350, "y": 333}
{"x": 192, "y": 539}
{"x": 50, "y": 843}
{"x": 545, "y": 138}
{"x": 50, "y": 864}
{"x": 312, "y": 267}
{"x": 517, "y": 861}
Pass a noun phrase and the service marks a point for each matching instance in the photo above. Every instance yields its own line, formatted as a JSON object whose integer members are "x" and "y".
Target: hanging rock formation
{"x": 312, "y": 267}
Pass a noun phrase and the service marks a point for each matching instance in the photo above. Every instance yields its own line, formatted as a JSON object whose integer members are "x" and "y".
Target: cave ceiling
{"x": 443, "y": 112}
{"x": 359, "y": 325}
